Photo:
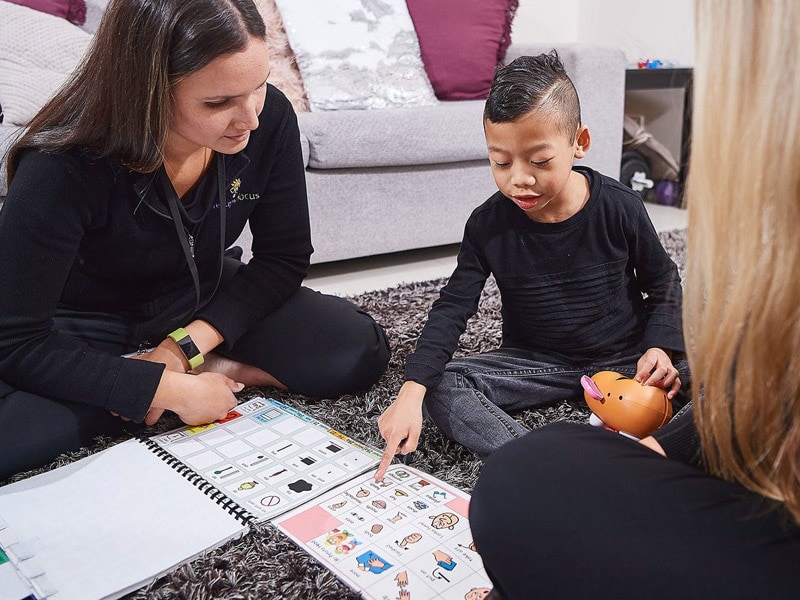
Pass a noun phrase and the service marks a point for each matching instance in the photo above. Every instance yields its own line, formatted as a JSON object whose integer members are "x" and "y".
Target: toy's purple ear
{"x": 591, "y": 388}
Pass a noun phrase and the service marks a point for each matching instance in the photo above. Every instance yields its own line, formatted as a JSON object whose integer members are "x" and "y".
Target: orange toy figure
{"x": 625, "y": 405}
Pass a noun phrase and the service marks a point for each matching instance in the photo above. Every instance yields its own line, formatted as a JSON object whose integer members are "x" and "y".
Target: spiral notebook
{"x": 110, "y": 523}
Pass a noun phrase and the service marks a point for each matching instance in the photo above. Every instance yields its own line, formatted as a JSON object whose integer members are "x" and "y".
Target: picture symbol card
{"x": 406, "y": 537}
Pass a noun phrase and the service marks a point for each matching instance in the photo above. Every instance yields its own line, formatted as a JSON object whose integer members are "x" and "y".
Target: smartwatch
{"x": 181, "y": 337}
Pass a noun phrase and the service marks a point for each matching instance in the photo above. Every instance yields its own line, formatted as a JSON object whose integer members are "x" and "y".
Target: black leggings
{"x": 317, "y": 345}
{"x": 573, "y": 511}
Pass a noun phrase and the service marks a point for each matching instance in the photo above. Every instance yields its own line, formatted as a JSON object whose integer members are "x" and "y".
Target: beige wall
{"x": 641, "y": 28}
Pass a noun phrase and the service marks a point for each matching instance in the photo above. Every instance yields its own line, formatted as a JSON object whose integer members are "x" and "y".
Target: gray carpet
{"x": 264, "y": 563}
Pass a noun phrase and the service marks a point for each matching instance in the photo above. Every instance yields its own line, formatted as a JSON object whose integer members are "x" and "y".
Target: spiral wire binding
{"x": 233, "y": 508}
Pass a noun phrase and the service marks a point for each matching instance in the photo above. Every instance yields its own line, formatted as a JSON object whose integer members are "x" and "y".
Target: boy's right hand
{"x": 401, "y": 424}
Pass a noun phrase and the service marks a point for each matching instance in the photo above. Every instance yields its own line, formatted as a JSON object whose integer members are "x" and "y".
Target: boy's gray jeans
{"x": 472, "y": 402}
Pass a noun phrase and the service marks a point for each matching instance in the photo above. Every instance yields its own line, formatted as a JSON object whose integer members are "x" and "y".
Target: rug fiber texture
{"x": 266, "y": 564}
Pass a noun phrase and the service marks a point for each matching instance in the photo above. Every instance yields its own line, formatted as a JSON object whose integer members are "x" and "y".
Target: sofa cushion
{"x": 354, "y": 54}
{"x": 37, "y": 53}
{"x": 461, "y": 43}
{"x": 283, "y": 73}
{"x": 447, "y": 133}
{"x": 71, "y": 10}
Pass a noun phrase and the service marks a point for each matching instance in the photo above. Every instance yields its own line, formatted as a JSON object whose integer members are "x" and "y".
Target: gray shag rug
{"x": 266, "y": 564}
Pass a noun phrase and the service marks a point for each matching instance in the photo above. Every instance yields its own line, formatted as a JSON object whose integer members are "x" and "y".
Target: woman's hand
{"x": 164, "y": 354}
{"x": 401, "y": 424}
{"x": 651, "y": 443}
{"x": 168, "y": 354}
{"x": 203, "y": 334}
{"x": 196, "y": 399}
{"x": 655, "y": 368}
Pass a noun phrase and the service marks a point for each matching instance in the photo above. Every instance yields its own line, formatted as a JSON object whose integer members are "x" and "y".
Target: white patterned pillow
{"x": 355, "y": 54}
{"x": 37, "y": 53}
{"x": 283, "y": 72}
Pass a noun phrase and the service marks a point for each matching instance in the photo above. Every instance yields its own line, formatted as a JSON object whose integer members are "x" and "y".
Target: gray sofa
{"x": 382, "y": 181}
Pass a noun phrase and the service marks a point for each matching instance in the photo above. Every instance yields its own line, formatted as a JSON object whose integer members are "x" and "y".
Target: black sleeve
{"x": 48, "y": 209}
{"x": 448, "y": 316}
{"x": 659, "y": 279}
{"x": 679, "y": 437}
{"x": 279, "y": 224}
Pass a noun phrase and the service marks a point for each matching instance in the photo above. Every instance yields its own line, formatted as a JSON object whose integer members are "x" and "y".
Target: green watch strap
{"x": 190, "y": 350}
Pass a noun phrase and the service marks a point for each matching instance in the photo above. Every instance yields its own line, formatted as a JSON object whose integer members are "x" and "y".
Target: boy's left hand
{"x": 655, "y": 368}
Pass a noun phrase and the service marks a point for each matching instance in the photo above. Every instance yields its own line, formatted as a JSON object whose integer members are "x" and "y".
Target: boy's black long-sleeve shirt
{"x": 89, "y": 235}
{"x": 592, "y": 287}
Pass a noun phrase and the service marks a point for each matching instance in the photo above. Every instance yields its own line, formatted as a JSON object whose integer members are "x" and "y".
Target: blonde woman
{"x": 600, "y": 516}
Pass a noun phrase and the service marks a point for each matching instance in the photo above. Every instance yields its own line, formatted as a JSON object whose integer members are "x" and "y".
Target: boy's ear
{"x": 582, "y": 141}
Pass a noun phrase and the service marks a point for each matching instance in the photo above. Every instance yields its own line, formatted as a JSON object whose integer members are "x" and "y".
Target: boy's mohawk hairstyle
{"x": 534, "y": 83}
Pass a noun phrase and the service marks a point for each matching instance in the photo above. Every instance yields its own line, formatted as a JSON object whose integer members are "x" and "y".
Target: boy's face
{"x": 531, "y": 159}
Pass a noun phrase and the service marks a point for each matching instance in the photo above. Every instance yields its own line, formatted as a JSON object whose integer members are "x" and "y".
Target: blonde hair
{"x": 742, "y": 307}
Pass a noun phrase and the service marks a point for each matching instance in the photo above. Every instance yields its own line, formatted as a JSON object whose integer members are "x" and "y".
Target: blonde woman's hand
{"x": 653, "y": 444}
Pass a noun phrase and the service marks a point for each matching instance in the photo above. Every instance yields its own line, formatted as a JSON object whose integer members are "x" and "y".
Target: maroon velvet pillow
{"x": 71, "y": 10}
{"x": 462, "y": 41}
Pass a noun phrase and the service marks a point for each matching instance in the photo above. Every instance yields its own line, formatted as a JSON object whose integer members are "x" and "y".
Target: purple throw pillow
{"x": 71, "y": 10}
{"x": 462, "y": 41}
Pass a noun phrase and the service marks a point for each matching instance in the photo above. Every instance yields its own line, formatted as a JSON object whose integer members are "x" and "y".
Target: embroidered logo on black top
{"x": 236, "y": 196}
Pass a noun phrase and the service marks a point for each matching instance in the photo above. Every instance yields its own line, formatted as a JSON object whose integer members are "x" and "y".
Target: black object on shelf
{"x": 669, "y": 78}
{"x": 633, "y": 162}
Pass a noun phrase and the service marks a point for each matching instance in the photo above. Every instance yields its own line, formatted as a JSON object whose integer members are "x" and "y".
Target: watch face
{"x": 188, "y": 347}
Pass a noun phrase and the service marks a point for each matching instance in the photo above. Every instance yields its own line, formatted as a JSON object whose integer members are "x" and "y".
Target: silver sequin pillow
{"x": 357, "y": 54}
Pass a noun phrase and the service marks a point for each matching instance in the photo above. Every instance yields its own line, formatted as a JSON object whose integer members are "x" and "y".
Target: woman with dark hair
{"x": 121, "y": 298}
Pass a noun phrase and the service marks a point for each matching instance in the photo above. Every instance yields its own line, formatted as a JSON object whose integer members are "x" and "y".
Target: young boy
{"x": 585, "y": 283}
